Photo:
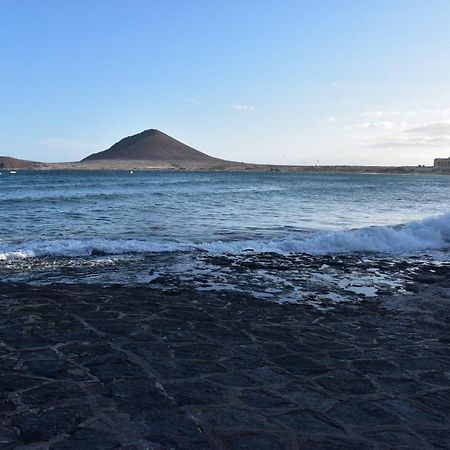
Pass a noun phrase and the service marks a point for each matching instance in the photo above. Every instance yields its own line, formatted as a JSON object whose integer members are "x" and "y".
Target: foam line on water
{"x": 432, "y": 233}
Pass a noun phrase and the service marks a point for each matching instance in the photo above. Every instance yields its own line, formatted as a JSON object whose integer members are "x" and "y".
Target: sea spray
{"x": 432, "y": 233}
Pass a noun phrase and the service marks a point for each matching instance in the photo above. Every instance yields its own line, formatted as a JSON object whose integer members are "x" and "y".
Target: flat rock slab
{"x": 93, "y": 367}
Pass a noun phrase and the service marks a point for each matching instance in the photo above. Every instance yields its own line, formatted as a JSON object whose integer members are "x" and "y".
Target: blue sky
{"x": 292, "y": 82}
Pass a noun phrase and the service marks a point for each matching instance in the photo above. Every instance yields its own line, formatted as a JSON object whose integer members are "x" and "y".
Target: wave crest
{"x": 432, "y": 233}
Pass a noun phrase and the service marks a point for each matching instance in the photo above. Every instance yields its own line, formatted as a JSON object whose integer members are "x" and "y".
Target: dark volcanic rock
{"x": 225, "y": 371}
{"x": 46, "y": 424}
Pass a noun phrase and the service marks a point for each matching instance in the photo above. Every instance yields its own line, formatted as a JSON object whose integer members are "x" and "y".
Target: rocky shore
{"x": 94, "y": 367}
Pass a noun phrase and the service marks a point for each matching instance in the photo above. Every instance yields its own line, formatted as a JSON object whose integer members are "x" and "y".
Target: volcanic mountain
{"x": 151, "y": 145}
{"x": 6, "y": 162}
{"x": 150, "y": 149}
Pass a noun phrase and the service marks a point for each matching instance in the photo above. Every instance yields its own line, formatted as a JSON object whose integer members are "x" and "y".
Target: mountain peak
{"x": 150, "y": 132}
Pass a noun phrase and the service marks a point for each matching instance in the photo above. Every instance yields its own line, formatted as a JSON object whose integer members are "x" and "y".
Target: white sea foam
{"x": 432, "y": 233}
{"x": 84, "y": 247}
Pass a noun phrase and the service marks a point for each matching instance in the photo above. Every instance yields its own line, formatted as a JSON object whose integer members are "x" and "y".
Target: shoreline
{"x": 367, "y": 170}
{"x": 212, "y": 164}
{"x": 88, "y": 366}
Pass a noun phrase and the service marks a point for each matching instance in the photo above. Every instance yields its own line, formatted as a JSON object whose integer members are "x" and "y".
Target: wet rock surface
{"x": 92, "y": 367}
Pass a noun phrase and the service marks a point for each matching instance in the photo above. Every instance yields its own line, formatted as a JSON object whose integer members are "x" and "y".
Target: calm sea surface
{"x": 53, "y": 224}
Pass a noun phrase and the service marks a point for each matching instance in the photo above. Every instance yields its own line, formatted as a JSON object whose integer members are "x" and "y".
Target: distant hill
{"x": 6, "y": 162}
{"x": 151, "y": 145}
{"x": 152, "y": 149}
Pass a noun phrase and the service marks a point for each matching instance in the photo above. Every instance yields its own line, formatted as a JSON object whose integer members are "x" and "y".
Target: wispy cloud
{"x": 372, "y": 125}
{"x": 194, "y": 100}
{"x": 378, "y": 114}
{"x": 407, "y": 113}
{"x": 401, "y": 141}
{"x": 245, "y": 108}
{"x": 432, "y": 128}
{"x": 329, "y": 119}
{"x": 66, "y": 144}
{"x": 403, "y": 134}
{"x": 402, "y": 128}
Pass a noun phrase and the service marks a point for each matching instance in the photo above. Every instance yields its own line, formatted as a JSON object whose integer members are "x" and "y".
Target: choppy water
{"x": 114, "y": 226}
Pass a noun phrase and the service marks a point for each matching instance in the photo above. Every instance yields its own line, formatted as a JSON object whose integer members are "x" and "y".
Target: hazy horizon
{"x": 307, "y": 83}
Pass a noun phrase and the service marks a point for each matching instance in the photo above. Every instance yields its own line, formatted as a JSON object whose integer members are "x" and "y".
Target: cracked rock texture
{"x": 91, "y": 367}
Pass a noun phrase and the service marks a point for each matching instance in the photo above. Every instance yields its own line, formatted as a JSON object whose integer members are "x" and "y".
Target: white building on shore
{"x": 442, "y": 163}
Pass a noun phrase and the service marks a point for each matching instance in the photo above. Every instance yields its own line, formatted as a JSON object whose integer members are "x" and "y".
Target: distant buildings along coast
{"x": 442, "y": 163}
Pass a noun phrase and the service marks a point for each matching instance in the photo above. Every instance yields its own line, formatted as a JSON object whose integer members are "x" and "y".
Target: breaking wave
{"x": 432, "y": 233}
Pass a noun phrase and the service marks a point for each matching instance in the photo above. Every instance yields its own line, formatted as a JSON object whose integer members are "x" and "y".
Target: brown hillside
{"x": 6, "y": 162}
{"x": 150, "y": 145}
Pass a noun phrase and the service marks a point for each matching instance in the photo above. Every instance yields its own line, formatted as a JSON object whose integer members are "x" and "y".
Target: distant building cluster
{"x": 442, "y": 163}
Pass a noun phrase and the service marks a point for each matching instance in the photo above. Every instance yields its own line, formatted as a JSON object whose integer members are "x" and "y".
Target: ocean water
{"x": 259, "y": 232}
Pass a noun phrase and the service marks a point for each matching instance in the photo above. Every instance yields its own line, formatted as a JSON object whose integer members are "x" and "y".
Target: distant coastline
{"x": 154, "y": 150}
{"x": 179, "y": 166}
